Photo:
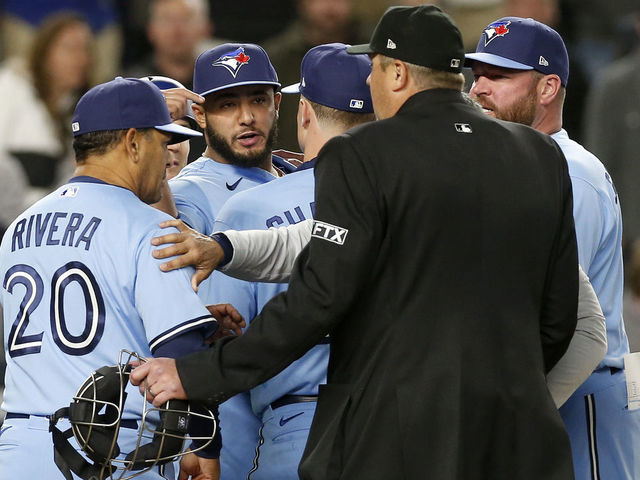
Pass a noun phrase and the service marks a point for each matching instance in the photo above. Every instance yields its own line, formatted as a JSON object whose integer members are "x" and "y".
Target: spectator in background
{"x": 13, "y": 198}
{"x": 319, "y": 21}
{"x": 21, "y": 19}
{"x": 178, "y": 31}
{"x": 175, "y": 29}
{"x": 612, "y": 131}
{"x": 252, "y": 20}
{"x": 40, "y": 93}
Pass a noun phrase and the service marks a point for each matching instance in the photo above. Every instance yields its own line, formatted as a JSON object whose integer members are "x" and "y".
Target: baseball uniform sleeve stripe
{"x": 179, "y": 329}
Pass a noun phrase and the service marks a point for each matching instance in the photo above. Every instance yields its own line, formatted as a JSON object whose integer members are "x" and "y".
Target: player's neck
{"x": 316, "y": 139}
{"x": 98, "y": 167}
{"x": 550, "y": 122}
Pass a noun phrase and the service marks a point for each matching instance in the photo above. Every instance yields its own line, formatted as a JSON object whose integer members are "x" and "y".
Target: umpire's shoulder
{"x": 529, "y": 134}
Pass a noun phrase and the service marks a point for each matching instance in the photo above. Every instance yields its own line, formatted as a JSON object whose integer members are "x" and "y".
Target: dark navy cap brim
{"x": 238, "y": 84}
{"x": 361, "y": 49}
{"x": 178, "y": 132}
{"x": 498, "y": 61}
{"x": 295, "y": 88}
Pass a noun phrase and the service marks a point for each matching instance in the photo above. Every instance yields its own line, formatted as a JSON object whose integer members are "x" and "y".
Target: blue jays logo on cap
{"x": 522, "y": 44}
{"x": 495, "y": 30}
{"x": 233, "y": 61}
{"x": 247, "y": 63}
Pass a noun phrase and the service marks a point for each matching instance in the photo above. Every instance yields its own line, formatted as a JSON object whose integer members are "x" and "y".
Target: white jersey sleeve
{"x": 266, "y": 255}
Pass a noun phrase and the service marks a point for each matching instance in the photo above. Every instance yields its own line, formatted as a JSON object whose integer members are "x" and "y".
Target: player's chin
{"x": 152, "y": 197}
{"x": 255, "y": 151}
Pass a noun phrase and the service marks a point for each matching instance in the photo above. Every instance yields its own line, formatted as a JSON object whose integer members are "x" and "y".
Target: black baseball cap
{"x": 422, "y": 35}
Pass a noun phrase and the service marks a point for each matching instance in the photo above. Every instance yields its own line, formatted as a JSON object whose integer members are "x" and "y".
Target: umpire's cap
{"x": 126, "y": 103}
{"x": 232, "y": 65}
{"x": 423, "y": 35}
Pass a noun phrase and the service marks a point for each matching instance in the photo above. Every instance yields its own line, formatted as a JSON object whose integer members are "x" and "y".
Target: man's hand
{"x": 198, "y": 468}
{"x": 193, "y": 248}
{"x": 229, "y": 319}
{"x": 176, "y": 99}
{"x": 162, "y": 380}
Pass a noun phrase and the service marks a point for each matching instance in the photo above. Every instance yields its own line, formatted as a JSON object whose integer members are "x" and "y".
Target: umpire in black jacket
{"x": 442, "y": 263}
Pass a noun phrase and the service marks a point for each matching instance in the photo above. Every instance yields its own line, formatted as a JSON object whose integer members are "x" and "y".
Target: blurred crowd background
{"x": 52, "y": 51}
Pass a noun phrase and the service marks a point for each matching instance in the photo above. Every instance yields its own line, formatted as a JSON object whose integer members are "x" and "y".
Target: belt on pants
{"x": 290, "y": 399}
{"x": 133, "y": 424}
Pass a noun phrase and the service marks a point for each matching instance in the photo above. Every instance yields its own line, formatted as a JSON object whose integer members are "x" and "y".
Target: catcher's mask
{"x": 96, "y": 417}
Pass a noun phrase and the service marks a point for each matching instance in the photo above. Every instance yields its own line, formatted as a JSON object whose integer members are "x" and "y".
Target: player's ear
{"x": 198, "y": 112}
{"x": 548, "y": 88}
{"x": 305, "y": 112}
{"x": 132, "y": 143}
{"x": 277, "y": 97}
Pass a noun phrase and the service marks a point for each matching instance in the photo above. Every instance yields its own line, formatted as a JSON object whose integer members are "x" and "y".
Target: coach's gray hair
{"x": 426, "y": 78}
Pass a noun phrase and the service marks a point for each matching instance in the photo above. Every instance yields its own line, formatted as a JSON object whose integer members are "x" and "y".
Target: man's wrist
{"x": 227, "y": 247}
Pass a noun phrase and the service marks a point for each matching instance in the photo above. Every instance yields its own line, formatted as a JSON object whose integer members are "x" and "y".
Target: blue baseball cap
{"x": 333, "y": 78}
{"x": 126, "y": 103}
{"x": 523, "y": 44}
{"x": 165, "y": 83}
{"x": 232, "y": 65}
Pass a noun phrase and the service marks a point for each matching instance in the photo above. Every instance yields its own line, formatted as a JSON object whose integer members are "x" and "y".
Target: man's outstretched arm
{"x": 252, "y": 255}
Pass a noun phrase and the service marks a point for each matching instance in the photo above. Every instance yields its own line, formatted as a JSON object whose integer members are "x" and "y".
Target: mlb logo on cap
{"x": 523, "y": 44}
{"x": 333, "y": 78}
{"x": 232, "y": 65}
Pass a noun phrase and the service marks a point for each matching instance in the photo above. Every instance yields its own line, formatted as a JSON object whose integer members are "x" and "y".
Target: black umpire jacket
{"x": 443, "y": 264}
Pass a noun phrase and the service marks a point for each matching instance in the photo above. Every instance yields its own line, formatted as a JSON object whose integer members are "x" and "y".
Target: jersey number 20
{"x": 21, "y": 344}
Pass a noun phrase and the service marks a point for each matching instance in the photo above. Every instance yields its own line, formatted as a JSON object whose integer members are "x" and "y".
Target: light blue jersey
{"x": 200, "y": 190}
{"x": 604, "y": 434}
{"x": 596, "y": 211}
{"x": 282, "y": 202}
{"x": 79, "y": 285}
{"x": 203, "y": 186}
